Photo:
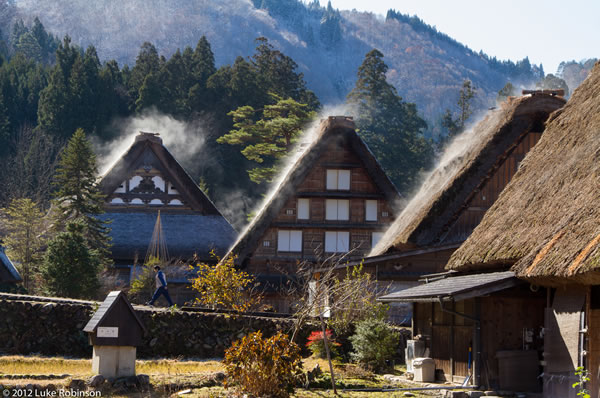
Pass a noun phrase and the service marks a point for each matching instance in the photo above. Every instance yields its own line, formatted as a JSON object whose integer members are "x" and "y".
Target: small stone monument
{"x": 115, "y": 331}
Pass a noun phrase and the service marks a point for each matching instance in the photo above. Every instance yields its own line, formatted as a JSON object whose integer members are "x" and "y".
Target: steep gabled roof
{"x": 466, "y": 166}
{"x": 547, "y": 220}
{"x": 330, "y": 130}
{"x": 8, "y": 273}
{"x": 148, "y": 145}
{"x": 197, "y": 229}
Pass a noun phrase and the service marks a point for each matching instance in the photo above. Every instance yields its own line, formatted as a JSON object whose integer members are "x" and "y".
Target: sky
{"x": 547, "y": 31}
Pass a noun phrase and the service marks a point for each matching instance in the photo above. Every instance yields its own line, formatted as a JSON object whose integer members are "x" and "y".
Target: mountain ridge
{"x": 427, "y": 67}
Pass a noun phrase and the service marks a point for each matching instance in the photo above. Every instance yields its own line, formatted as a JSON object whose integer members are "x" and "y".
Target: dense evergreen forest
{"x": 425, "y": 66}
{"x": 49, "y": 88}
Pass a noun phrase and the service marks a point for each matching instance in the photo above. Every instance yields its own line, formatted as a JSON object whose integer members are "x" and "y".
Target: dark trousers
{"x": 158, "y": 292}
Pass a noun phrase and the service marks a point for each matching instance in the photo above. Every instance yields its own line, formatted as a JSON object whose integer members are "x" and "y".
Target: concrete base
{"x": 114, "y": 361}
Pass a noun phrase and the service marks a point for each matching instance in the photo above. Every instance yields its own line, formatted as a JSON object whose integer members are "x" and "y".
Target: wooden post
{"x": 451, "y": 342}
{"x": 328, "y": 353}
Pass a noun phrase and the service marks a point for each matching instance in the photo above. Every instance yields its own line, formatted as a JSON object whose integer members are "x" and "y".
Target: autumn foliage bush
{"x": 263, "y": 366}
{"x": 224, "y": 286}
{"x": 316, "y": 344}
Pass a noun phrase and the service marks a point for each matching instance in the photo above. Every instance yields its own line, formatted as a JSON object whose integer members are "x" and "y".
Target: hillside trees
{"x": 80, "y": 91}
{"x": 74, "y": 93}
{"x": 31, "y": 161}
{"x": 552, "y": 82}
{"x": 391, "y": 127}
{"x": 79, "y": 198}
{"x": 465, "y": 109}
{"x": 24, "y": 239}
{"x": 507, "y": 91}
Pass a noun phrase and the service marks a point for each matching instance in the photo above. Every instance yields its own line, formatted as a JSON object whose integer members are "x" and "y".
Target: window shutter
{"x": 303, "y": 209}
{"x": 331, "y": 210}
{"x": 283, "y": 241}
{"x": 330, "y": 242}
{"x": 344, "y": 180}
{"x": 375, "y": 238}
{"x": 343, "y": 242}
{"x": 371, "y": 210}
{"x": 343, "y": 210}
{"x": 295, "y": 241}
{"x": 332, "y": 179}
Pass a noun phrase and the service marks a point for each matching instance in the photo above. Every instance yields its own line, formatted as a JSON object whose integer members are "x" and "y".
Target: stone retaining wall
{"x": 49, "y": 328}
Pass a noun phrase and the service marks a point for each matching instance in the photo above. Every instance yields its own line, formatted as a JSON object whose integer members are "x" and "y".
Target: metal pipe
{"x": 456, "y": 312}
{"x": 408, "y": 389}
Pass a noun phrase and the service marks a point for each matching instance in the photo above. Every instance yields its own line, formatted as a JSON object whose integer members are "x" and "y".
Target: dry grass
{"x": 31, "y": 365}
{"x": 83, "y": 367}
{"x": 178, "y": 374}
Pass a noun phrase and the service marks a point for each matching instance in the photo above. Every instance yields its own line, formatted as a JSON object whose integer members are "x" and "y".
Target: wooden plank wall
{"x": 337, "y": 156}
{"x": 490, "y": 191}
{"x": 448, "y": 336}
{"x": 504, "y": 316}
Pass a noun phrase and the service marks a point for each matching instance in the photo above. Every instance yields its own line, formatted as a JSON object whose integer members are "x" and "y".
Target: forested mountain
{"x": 426, "y": 66}
{"x": 187, "y": 68}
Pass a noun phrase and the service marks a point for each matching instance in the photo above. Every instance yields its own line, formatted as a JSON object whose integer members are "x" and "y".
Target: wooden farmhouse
{"x": 145, "y": 180}
{"x": 335, "y": 201}
{"x": 454, "y": 197}
{"x": 9, "y": 276}
{"x": 545, "y": 228}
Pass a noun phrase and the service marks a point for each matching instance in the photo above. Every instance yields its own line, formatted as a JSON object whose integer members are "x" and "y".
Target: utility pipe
{"x": 408, "y": 389}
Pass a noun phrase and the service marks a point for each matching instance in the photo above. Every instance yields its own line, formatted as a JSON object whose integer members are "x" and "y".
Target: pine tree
{"x": 70, "y": 267}
{"x": 467, "y": 93}
{"x": 202, "y": 67}
{"x": 59, "y": 111}
{"x": 5, "y": 127}
{"x": 270, "y": 138}
{"x": 277, "y": 74}
{"x": 146, "y": 63}
{"x": 465, "y": 110}
{"x": 391, "y": 127}
{"x": 29, "y": 46}
{"x": 505, "y": 92}
{"x": 78, "y": 197}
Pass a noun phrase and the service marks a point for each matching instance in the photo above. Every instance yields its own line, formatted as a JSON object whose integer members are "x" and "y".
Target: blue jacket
{"x": 161, "y": 277}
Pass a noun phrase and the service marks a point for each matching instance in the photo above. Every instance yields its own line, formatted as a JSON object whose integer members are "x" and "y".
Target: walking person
{"x": 161, "y": 287}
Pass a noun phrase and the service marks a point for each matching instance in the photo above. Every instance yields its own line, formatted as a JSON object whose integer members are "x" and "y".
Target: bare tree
{"x": 329, "y": 289}
{"x": 30, "y": 167}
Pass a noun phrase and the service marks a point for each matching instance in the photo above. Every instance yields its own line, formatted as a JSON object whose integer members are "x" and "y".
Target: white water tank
{"x": 424, "y": 369}
{"x": 414, "y": 349}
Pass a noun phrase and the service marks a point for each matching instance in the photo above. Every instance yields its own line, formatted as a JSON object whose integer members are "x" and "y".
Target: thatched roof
{"x": 547, "y": 220}
{"x": 194, "y": 230}
{"x": 466, "y": 166}
{"x": 185, "y": 234}
{"x": 330, "y": 130}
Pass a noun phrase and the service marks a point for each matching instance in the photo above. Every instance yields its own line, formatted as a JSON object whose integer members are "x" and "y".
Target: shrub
{"x": 224, "y": 286}
{"x": 317, "y": 345}
{"x": 263, "y": 367}
{"x": 374, "y": 342}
